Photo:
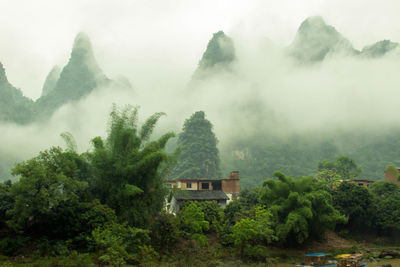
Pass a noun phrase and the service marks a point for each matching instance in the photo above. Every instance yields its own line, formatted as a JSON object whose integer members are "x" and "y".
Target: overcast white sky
{"x": 137, "y": 38}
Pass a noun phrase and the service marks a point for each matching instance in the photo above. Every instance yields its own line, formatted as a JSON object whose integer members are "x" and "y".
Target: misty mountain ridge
{"x": 379, "y": 49}
{"x": 218, "y": 56}
{"x": 51, "y": 80}
{"x": 76, "y": 80}
{"x": 315, "y": 40}
{"x": 14, "y": 106}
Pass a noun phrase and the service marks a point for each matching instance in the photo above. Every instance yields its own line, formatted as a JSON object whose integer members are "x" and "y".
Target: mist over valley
{"x": 273, "y": 107}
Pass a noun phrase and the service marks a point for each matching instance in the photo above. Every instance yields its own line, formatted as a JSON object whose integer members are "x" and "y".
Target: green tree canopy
{"x": 63, "y": 195}
{"x": 249, "y": 232}
{"x": 387, "y": 202}
{"x": 51, "y": 186}
{"x": 199, "y": 156}
{"x": 329, "y": 177}
{"x": 356, "y": 203}
{"x": 192, "y": 222}
{"x": 127, "y": 167}
{"x": 344, "y": 166}
{"x": 300, "y": 208}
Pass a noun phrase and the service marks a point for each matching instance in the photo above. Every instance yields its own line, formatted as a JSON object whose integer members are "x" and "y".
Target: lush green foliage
{"x": 192, "y": 222}
{"x": 213, "y": 214}
{"x": 126, "y": 167}
{"x": 6, "y": 201}
{"x": 50, "y": 184}
{"x": 299, "y": 207}
{"x": 329, "y": 177}
{"x": 249, "y": 232}
{"x": 345, "y": 167}
{"x": 356, "y": 203}
{"x": 118, "y": 244}
{"x": 108, "y": 202}
{"x": 65, "y": 200}
{"x": 165, "y": 232}
{"x": 387, "y": 203}
{"x": 199, "y": 156}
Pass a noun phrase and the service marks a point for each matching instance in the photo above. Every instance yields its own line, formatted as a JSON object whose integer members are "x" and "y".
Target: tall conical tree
{"x": 199, "y": 156}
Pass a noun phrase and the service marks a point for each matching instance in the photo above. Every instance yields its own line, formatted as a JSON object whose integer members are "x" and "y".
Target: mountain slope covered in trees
{"x": 76, "y": 80}
{"x": 218, "y": 56}
{"x": 14, "y": 106}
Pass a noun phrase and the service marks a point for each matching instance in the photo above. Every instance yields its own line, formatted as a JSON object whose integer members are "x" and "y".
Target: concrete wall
{"x": 194, "y": 185}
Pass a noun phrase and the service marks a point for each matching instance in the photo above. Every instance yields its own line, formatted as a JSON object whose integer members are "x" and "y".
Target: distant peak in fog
{"x": 14, "y": 106}
{"x": 51, "y": 80}
{"x": 3, "y": 77}
{"x": 220, "y": 50}
{"x": 77, "y": 79}
{"x": 315, "y": 40}
{"x": 82, "y": 52}
{"x": 219, "y": 55}
{"x": 379, "y": 49}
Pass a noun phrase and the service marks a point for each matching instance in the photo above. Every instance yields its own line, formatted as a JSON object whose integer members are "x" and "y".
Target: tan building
{"x": 203, "y": 189}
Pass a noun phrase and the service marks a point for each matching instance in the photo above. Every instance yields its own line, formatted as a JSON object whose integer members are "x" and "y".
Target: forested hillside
{"x": 14, "y": 106}
{"x": 299, "y": 155}
{"x": 77, "y": 79}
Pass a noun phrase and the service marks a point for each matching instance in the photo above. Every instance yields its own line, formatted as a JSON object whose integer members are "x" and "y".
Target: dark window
{"x": 216, "y": 185}
{"x": 360, "y": 184}
{"x": 205, "y": 185}
{"x": 188, "y": 185}
{"x": 169, "y": 185}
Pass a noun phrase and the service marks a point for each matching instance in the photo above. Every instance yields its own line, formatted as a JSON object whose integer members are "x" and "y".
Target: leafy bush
{"x": 249, "y": 232}
{"x": 164, "y": 231}
{"x": 118, "y": 244}
{"x": 192, "y": 222}
{"x": 9, "y": 245}
{"x": 300, "y": 208}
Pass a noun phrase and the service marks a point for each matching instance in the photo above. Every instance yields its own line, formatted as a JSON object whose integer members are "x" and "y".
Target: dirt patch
{"x": 331, "y": 241}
